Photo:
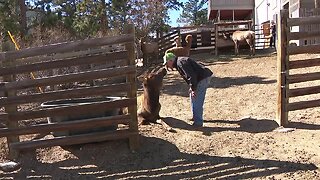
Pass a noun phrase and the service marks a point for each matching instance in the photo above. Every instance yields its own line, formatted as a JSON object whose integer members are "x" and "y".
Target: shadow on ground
{"x": 301, "y": 125}
{"x": 177, "y": 86}
{"x": 245, "y": 125}
{"x": 226, "y": 56}
{"x": 161, "y": 160}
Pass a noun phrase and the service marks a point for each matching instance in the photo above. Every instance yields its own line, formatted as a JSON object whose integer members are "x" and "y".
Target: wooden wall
{"x": 68, "y": 70}
{"x": 290, "y": 83}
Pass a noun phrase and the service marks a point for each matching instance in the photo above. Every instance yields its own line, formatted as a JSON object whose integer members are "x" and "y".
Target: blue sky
{"x": 174, "y": 15}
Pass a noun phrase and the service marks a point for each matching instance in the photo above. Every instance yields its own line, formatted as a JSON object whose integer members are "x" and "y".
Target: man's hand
{"x": 192, "y": 92}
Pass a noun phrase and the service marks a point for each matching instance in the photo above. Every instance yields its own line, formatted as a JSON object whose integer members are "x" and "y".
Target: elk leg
{"x": 236, "y": 48}
{"x": 251, "y": 44}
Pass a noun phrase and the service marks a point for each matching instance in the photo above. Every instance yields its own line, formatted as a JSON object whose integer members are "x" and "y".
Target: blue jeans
{"x": 198, "y": 101}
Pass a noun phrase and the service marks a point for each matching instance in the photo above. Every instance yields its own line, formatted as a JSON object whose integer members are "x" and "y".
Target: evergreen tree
{"x": 9, "y": 18}
{"x": 194, "y": 13}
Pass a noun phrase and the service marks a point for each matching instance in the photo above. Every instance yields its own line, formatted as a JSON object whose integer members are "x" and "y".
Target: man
{"x": 197, "y": 77}
{"x": 273, "y": 35}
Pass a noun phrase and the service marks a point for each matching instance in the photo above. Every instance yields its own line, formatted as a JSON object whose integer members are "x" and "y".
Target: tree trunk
{"x": 103, "y": 16}
{"x": 23, "y": 18}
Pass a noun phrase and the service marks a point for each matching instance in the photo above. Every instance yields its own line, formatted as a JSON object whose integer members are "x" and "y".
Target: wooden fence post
{"x": 133, "y": 126}
{"x": 216, "y": 39}
{"x": 283, "y": 71}
{"x": 13, "y": 154}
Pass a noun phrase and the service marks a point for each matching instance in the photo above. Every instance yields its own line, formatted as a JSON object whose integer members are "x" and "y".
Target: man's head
{"x": 168, "y": 59}
{"x": 272, "y": 23}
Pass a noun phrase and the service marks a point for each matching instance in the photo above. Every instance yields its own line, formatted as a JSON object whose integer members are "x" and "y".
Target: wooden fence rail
{"x": 288, "y": 77}
{"x": 204, "y": 37}
{"x": 69, "y": 70}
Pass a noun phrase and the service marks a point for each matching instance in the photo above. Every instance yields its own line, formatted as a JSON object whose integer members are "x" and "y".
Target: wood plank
{"x": 4, "y": 117}
{"x": 131, "y": 78}
{"x": 304, "y": 63}
{"x": 65, "y": 55}
{"x": 303, "y": 35}
{"x": 233, "y": 23}
{"x": 168, "y": 44}
{"x": 168, "y": 36}
{"x": 303, "y": 105}
{"x": 80, "y": 109}
{"x": 72, "y": 140}
{"x": 66, "y": 94}
{"x": 313, "y": 49}
{"x": 73, "y": 77}
{"x": 194, "y": 27}
{"x": 13, "y": 154}
{"x": 303, "y": 91}
{"x": 304, "y": 21}
{"x": 297, "y": 78}
{"x": 66, "y": 47}
{"x": 216, "y": 27}
{"x": 282, "y": 72}
{"x": 76, "y": 61}
{"x": 68, "y": 125}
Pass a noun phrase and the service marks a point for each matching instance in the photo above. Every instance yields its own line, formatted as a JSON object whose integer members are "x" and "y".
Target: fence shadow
{"x": 156, "y": 158}
{"x": 301, "y": 125}
{"x": 228, "y": 55}
{"x": 226, "y": 82}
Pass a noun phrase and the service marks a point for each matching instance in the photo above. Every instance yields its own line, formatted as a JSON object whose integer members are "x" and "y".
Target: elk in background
{"x": 148, "y": 49}
{"x": 177, "y": 41}
{"x": 182, "y": 51}
{"x": 239, "y": 36}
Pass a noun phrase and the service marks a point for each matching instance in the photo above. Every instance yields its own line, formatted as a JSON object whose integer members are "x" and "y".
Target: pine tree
{"x": 194, "y": 13}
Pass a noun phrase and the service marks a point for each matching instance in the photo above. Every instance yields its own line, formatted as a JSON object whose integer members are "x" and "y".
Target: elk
{"x": 177, "y": 41}
{"x": 150, "y": 105}
{"x": 148, "y": 49}
{"x": 239, "y": 36}
{"x": 182, "y": 51}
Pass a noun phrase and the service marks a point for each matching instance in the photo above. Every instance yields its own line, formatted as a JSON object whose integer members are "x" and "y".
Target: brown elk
{"x": 147, "y": 49}
{"x": 150, "y": 105}
{"x": 177, "y": 41}
{"x": 239, "y": 36}
{"x": 182, "y": 51}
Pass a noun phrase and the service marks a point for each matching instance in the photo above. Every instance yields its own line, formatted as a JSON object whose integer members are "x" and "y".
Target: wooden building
{"x": 230, "y": 10}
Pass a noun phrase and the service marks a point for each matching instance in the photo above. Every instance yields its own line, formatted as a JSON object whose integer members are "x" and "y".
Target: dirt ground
{"x": 238, "y": 141}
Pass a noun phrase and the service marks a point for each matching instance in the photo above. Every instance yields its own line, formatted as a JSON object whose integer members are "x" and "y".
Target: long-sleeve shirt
{"x": 191, "y": 71}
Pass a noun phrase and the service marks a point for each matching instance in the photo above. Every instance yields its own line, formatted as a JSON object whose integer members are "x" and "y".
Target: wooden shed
{"x": 230, "y": 10}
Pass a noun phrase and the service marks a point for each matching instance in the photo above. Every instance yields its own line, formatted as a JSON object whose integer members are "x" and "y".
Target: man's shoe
{"x": 197, "y": 125}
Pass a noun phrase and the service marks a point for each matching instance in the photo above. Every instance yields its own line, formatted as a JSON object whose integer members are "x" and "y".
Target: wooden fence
{"x": 165, "y": 42}
{"x": 86, "y": 61}
{"x": 288, "y": 79}
{"x": 204, "y": 37}
{"x": 303, "y": 12}
{"x": 225, "y": 26}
